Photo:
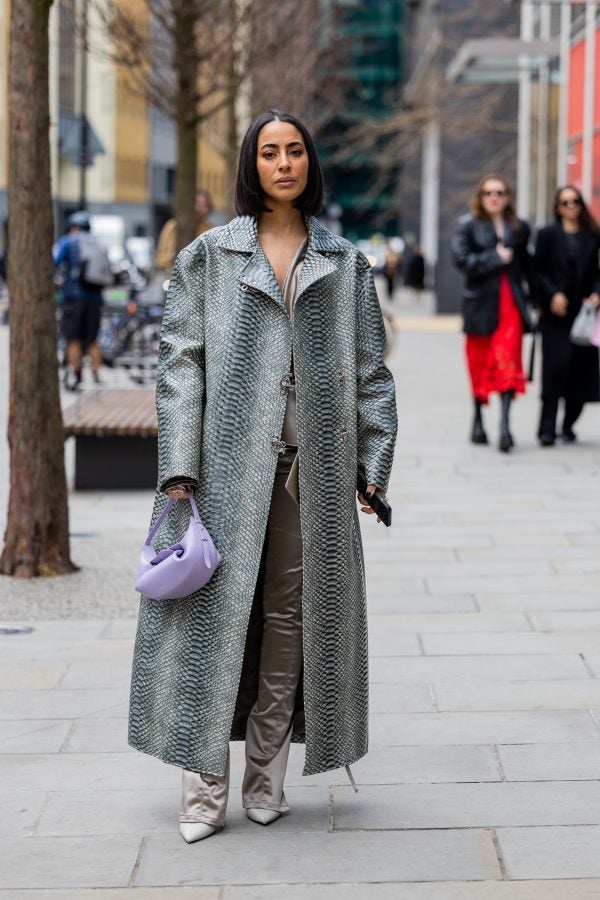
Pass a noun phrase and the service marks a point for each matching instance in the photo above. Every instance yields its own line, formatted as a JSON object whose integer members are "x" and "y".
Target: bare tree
{"x": 37, "y": 529}
{"x": 194, "y": 59}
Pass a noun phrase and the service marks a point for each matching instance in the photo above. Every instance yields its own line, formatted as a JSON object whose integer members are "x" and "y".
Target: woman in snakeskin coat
{"x": 271, "y": 389}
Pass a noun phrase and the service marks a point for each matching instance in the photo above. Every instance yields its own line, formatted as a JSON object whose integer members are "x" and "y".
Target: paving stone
{"x": 553, "y": 852}
{"x": 408, "y": 670}
{"x": 440, "y": 623}
{"x": 399, "y": 765}
{"x": 33, "y": 735}
{"x": 162, "y": 893}
{"x": 474, "y": 568}
{"x": 523, "y": 551}
{"x": 53, "y": 630}
{"x": 472, "y": 695}
{"x": 97, "y": 861}
{"x": 466, "y": 805}
{"x": 511, "y": 642}
{"x": 593, "y": 661}
{"x": 86, "y": 771}
{"x": 519, "y": 584}
{"x": 149, "y": 811}
{"x": 551, "y": 762}
{"x": 566, "y": 620}
{"x": 548, "y": 600}
{"x": 27, "y": 676}
{"x": 232, "y": 858}
{"x": 585, "y": 539}
{"x": 98, "y": 736}
{"x": 20, "y": 812}
{"x": 585, "y": 889}
{"x": 98, "y": 674}
{"x": 106, "y": 652}
{"x": 385, "y": 639}
{"x": 63, "y": 704}
{"x": 420, "y": 603}
{"x": 387, "y": 698}
{"x": 540, "y": 726}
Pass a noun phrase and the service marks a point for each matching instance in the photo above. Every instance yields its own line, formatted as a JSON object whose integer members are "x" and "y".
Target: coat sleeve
{"x": 376, "y": 397}
{"x": 480, "y": 262}
{"x": 180, "y": 374}
{"x": 546, "y": 285}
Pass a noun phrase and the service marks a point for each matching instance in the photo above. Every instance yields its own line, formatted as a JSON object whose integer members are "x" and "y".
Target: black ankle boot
{"x": 478, "y": 435}
{"x": 506, "y": 438}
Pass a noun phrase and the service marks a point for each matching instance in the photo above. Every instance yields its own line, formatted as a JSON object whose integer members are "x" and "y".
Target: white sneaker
{"x": 263, "y": 816}
{"x": 195, "y": 831}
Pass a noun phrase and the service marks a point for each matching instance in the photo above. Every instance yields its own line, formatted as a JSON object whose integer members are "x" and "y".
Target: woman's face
{"x": 494, "y": 196}
{"x": 281, "y": 162}
{"x": 569, "y": 205}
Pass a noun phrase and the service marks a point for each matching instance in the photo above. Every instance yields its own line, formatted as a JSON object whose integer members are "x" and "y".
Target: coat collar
{"x": 241, "y": 236}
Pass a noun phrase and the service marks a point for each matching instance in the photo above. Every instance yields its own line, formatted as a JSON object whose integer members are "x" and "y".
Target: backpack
{"x": 95, "y": 266}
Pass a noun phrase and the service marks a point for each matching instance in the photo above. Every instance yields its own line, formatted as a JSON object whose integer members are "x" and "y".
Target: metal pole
{"x": 524, "y": 124}
{"x": 588, "y": 98}
{"x": 541, "y": 188}
{"x": 563, "y": 95}
{"x": 83, "y": 123}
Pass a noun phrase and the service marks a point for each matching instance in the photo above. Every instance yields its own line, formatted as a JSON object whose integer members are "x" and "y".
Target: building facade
{"x": 368, "y": 36}
{"x": 131, "y": 147}
{"x": 459, "y": 132}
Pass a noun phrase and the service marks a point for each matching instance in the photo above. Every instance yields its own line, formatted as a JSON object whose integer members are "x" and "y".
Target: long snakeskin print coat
{"x": 226, "y": 346}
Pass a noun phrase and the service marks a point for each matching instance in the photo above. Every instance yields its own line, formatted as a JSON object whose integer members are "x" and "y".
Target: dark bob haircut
{"x": 249, "y": 197}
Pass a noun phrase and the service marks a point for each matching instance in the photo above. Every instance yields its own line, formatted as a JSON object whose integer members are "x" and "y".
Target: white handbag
{"x": 584, "y": 324}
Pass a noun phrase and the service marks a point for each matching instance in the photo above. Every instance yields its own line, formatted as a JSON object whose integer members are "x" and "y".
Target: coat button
{"x": 341, "y": 377}
{"x": 244, "y": 287}
{"x": 344, "y": 434}
{"x": 278, "y": 446}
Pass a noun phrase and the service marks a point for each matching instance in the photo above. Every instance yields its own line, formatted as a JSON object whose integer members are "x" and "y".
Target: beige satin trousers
{"x": 269, "y": 729}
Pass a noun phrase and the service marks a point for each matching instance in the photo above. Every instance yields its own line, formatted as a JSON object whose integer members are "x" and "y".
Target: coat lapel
{"x": 241, "y": 236}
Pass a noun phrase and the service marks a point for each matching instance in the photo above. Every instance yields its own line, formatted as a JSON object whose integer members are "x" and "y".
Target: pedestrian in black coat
{"x": 568, "y": 272}
{"x": 490, "y": 247}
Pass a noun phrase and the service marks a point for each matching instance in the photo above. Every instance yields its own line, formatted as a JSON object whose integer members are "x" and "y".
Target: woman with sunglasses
{"x": 566, "y": 260}
{"x": 490, "y": 247}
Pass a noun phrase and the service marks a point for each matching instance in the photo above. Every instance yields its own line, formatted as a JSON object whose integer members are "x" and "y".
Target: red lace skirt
{"x": 494, "y": 360}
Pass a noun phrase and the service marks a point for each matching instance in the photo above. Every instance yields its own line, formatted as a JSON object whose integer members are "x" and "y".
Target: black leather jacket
{"x": 474, "y": 251}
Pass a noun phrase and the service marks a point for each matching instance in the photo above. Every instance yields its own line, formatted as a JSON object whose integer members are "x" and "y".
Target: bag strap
{"x": 169, "y": 506}
{"x": 159, "y": 521}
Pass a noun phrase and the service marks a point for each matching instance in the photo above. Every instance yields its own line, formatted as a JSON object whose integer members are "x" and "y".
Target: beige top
{"x": 289, "y": 432}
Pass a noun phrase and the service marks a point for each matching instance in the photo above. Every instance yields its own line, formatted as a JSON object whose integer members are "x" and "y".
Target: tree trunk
{"x": 186, "y": 70}
{"x": 37, "y": 529}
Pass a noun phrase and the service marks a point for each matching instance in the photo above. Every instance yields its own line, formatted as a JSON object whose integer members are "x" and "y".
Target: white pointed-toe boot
{"x": 263, "y": 816}
{"x": 195, "y": 831}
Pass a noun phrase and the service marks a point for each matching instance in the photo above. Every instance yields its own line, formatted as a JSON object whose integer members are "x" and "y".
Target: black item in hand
{"x": 377, "y": 501}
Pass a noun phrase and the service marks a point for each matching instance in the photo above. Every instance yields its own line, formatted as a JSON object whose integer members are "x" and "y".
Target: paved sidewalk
{"x": 483, "y": 780}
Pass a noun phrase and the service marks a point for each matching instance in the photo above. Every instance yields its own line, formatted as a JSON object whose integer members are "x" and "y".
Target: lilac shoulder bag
{"x": 183, "y": 568}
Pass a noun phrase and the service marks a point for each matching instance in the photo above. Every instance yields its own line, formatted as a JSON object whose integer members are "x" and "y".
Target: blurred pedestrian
{"x": 414, "y": 276}
{"x": 166, "y": 248}
{"x": 86, "y": 271}
{"x": 568, "y": 272}
{"x": 271, "y": 388}
{"x": 392, "y": 266}
{"x": 490, "y": 247}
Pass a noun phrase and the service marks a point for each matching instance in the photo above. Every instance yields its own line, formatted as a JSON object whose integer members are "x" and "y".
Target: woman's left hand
{"x": 594, "y": 300}
{"x": 364, "y": 506}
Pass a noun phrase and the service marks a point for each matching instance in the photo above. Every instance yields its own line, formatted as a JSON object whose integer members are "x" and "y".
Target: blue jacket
{"x": 67, "y": 254}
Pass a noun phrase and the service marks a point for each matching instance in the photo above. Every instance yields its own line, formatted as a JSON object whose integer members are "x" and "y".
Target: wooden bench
{"x": 115, "y": 433}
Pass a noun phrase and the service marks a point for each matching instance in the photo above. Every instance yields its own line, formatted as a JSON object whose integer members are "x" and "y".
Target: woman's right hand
{"x": 559, "y": 304}
{"x": 179, "y": 491}
{"x": 505, "y": 253}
